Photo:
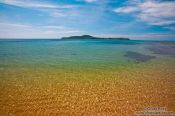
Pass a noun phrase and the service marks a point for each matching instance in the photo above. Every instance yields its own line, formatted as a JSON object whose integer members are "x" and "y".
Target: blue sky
{"x": 136, "y": 19}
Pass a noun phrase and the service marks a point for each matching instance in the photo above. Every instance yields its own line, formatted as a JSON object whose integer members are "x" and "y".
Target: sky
{"x": 135, "y": 19}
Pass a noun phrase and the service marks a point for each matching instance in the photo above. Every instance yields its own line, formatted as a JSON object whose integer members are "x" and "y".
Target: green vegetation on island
{"x": 92, "y": 37}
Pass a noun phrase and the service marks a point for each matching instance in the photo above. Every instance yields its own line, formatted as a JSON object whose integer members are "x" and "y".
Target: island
{"x": 92, "y": 37}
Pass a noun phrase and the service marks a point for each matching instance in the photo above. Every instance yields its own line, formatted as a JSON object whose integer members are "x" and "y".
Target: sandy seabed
{"x": 58, "y": 92}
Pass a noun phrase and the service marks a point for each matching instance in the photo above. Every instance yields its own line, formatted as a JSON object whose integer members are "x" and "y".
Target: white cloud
{"x": 54, "y": 27}
{"x": 151, "y": 11}
{"x": 125, "y": 9}
{"x": 61, "y": 32}
{"x": 16, "y": 30}
{"x": 14, "y": 25}
{"x": 90, "y": 0}
{"x": 34, "y": 4}
{"x": 58, "y": 14}
{"x": 53, "y": 10}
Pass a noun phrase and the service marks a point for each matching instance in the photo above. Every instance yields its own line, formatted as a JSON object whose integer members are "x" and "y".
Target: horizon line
{"x": 82, "y": 39}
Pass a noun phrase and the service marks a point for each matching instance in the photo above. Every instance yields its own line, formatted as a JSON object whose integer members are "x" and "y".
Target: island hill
{"x": 91, "y": 37}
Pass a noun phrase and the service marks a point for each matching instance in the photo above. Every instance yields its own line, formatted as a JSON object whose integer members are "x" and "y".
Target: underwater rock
{"x": 138, "y": 56}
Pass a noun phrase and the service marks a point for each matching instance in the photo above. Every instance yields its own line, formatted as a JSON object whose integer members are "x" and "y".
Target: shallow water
{"x": 85, "y": 77}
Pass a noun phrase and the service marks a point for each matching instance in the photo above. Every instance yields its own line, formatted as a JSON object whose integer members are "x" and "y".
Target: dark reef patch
{"x": 163, "y": 49}
{"x": 138, "y": 56}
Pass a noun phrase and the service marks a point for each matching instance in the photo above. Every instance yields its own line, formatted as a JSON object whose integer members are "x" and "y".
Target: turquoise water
{"x": 76, "y": 52}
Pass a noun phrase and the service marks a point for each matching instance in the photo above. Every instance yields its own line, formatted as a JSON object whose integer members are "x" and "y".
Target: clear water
{"x": 85, "y": 77}
{"x": 73, "y": 52}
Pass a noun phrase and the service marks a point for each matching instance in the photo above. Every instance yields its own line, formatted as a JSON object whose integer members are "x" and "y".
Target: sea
{"x": 45, "y": 77}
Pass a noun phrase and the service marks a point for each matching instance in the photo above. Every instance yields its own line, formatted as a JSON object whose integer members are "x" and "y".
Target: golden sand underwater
{"x": 41, "y": 92}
